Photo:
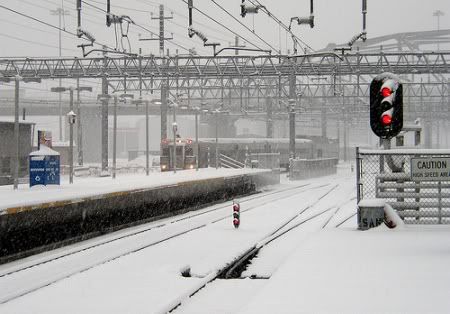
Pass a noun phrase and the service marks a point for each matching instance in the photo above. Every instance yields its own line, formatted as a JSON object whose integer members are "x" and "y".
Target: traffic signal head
{"x": 386, "y": 105}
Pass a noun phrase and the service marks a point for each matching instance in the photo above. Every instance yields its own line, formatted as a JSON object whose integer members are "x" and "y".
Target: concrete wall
{"x": 24, "y": 228}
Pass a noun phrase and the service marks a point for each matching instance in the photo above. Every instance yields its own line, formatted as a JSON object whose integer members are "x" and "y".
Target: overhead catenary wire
{"x": 35, "y": 42}
{"x": 175, "y": 12}
{"x": 246, "y": 27}
{"x": 227, "y": 28}
{"x": 136, "y": 24}
{"x": 48, "y": 24}
{"x": 285, "y": 27}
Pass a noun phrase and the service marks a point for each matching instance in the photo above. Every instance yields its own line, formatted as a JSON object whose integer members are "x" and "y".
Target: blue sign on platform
{"x": 44, "y": 170}
{"x": 52, "y": 170}
{"x": 37, "y": 170}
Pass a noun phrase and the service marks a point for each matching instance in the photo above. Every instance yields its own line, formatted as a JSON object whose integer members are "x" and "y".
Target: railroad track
{"x": 87, "y": 236}
{"x": 265, "y": 199}
{"x": 235, "y": 268}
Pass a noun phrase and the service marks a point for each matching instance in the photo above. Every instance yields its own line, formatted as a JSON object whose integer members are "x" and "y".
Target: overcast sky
{"x": 336, "y": 21}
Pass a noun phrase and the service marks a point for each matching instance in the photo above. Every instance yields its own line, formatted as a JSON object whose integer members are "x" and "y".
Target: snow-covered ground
{"x": 314, "y": 268}
{"x": 88, "y": 187}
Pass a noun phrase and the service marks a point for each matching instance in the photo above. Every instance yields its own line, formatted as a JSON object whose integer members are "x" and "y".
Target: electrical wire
{"x": 138, "y": 25}
{"x": 48, "y": 24}
{"x": 33, "y": 28}
{"x": 286, "y": 28}
{"x": 246, "y": 27}
{"x": 198, "y": 23}
{"x": 175, "y": 12}
{"x": 227, "y": 28}
{"x": 35, "y": 42}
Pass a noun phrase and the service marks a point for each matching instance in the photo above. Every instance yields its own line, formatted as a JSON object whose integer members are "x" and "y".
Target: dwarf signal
{"x": 236, "y": 215}
{"x": 386, "y": 105}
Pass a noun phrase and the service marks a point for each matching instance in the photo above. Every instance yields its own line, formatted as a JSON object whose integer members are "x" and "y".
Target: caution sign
{"x": 430, "y": 169}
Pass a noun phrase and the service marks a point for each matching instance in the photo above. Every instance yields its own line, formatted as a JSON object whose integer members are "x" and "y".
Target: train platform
{"x": 42, "y": 216}
{"x": 350, "y": 271}
{"x": 311, "y": 258}
{"x": 27, "y": 198}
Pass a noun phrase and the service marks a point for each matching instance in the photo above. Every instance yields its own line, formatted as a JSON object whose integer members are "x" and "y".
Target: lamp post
{"x": 17, "y": 79}
{"x": 72, "y": 117}
{"x": 216, "y": 112}
{"x": 197, "y": 148}
{"x": 174, "y": 106}
{"x": 174, "y": 129}
{"x": 114, "y": 138}
{"x": 291, "y": 108}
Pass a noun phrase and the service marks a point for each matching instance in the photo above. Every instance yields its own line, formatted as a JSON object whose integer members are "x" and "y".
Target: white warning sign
{"x": 430, "y": 169}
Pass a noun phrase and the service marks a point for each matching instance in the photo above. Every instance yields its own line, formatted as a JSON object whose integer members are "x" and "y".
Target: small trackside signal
{"x": 386, "y": 105}
{"x": 236, "y": 215}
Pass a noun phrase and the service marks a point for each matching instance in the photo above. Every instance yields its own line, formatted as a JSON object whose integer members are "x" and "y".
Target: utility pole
{"x": 60, "y": 12}
{"x": 438, "y": 14}
{"x": 237, "y": 45}
{"x": 291, "y": 113}
{"x": 104, "y": 118}
{"x": 16, "y": 133}
{"x": 161, "y": 36}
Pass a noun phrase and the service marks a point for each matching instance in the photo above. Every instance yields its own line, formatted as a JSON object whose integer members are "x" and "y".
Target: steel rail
{"x": 4, "y": 299}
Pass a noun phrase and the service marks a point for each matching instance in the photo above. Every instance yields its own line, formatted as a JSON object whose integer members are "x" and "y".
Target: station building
{"x": 26, "y": 130}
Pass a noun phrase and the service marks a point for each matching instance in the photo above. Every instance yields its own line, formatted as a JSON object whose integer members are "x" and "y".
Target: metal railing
{"x": 386, "y": 174}
{"x": 228, "y": 162}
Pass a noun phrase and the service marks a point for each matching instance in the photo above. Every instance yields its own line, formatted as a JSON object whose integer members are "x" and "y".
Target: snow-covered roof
{"x": 405, "y": 151}
{"x": 44, "y": 151}
{"x": 232, "y": 140}
{"x": 11, "y": 120}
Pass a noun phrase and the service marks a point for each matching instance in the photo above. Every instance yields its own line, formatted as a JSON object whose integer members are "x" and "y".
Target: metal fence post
{"x": 358, "y": 176}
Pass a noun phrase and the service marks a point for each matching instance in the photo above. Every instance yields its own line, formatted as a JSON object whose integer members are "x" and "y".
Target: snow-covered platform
{"x": 351, "y": 271}
{"x": 91, "y": 203}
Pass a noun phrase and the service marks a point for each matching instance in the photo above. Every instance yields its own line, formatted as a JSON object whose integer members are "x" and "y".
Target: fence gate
{"x": 415, "y": 182}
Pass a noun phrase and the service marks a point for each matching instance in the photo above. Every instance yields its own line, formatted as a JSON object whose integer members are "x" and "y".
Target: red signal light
{"x": 386, "y": 119}
{"x": 386, "y": 91}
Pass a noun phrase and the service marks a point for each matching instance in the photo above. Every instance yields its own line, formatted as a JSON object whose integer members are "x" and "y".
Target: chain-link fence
{"x": 416, "y": 183}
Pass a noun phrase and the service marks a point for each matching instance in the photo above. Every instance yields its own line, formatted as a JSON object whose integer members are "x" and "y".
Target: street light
{"x": 17, "y": 79}
{"x": 174, "y": 106}
{"x": 196, "y": 110}
{"x": 72, "y": 119}
{"x": 174, "y": 129}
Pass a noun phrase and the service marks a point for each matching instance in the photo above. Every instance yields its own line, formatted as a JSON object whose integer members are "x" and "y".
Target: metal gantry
{"x": 192, "y": 67}
{"x": 243, "y": 83}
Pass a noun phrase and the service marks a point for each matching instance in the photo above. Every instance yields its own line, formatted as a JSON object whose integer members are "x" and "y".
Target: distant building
{"x": 26, "y": 130}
